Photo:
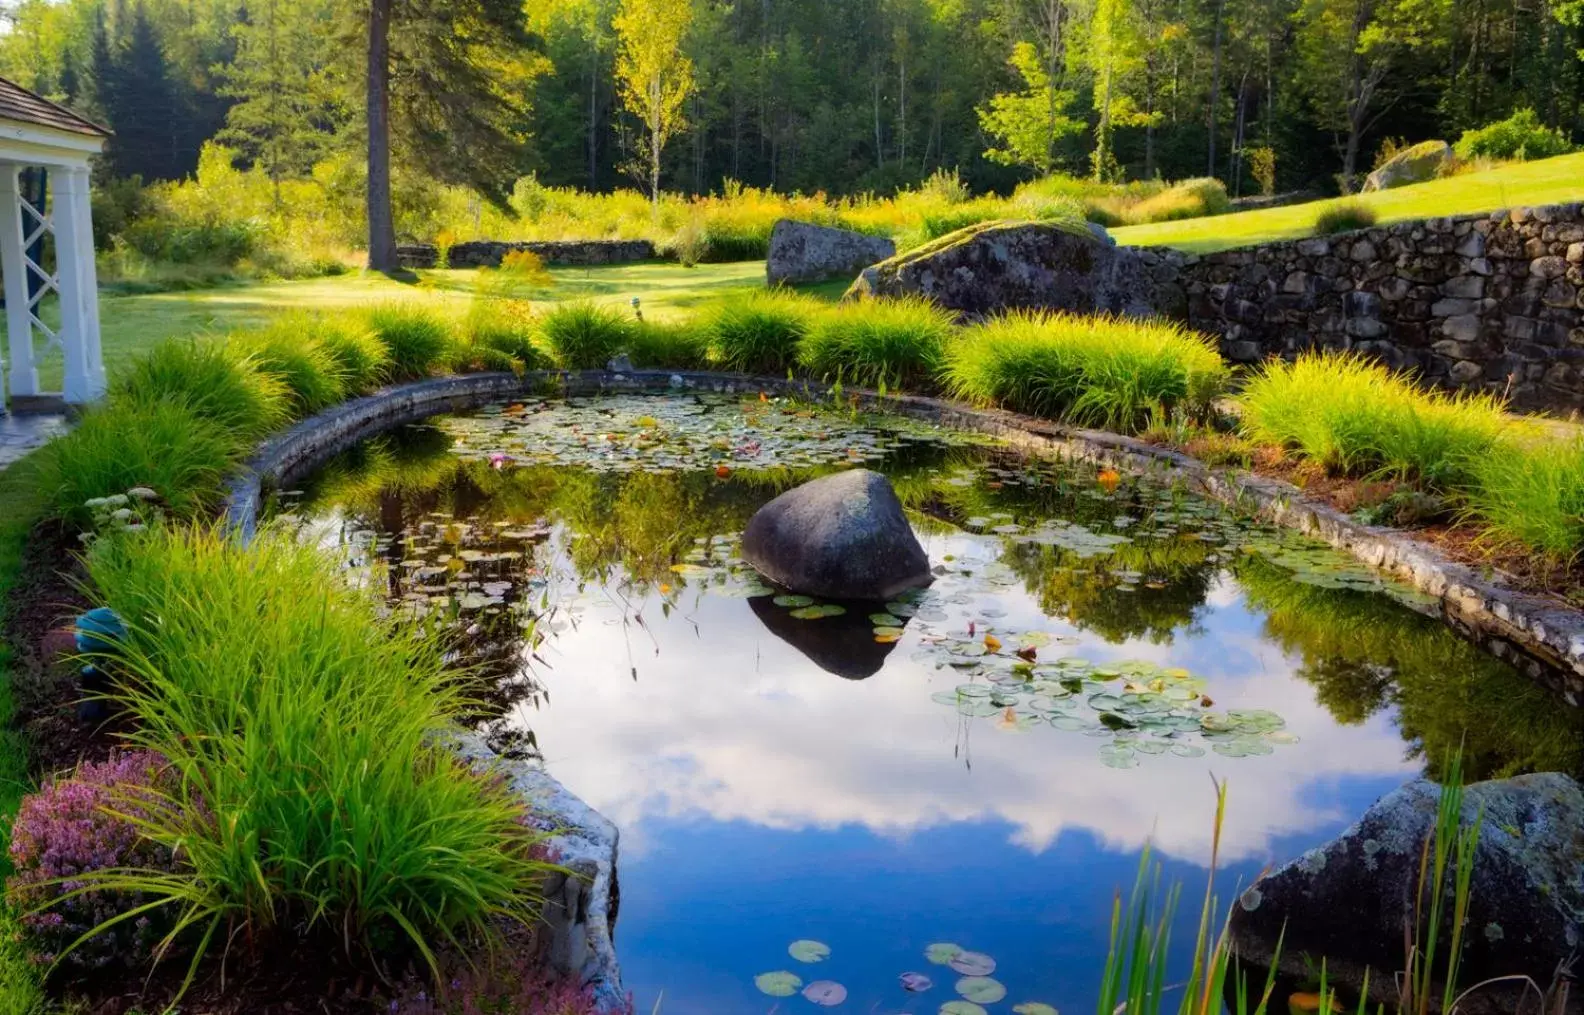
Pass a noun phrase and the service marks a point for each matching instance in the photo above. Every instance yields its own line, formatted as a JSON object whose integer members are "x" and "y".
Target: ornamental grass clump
{"x": 212, "y": 381}
{"x": 666, "y": 345}
{"x": 1343, "y": 217}
{"x": 584, "y": 336}
{"x": 1531, "y": 494}
{"x": 1096, "y": 371}
{"x": 758, "y": 333}
{"x": 165, "y": 446}
{"x": 417, "y": 340}
{"x": 893, "y": 343}
{"x": 286, "y": 349}
{"x": 312, "y": 790}
{"x": 501, "y": 334}
{"x": 79, "y": 824}
{"x": 1355, "y": 417}
{"x": 358, "y": 354}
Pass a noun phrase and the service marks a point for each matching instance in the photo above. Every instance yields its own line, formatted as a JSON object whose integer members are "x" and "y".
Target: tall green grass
{"x": 1532, "y": 494}
{"x": 417, "y": 340}
{"x": 896, "y": 343}
{"x": 359, "y": 357}
{"x": 1096, "y": 371}
{"x": 212, "y": 380}
{"x": 163, "y": 445}
{"x": 286, "y": 349}
{"x": 758, "y": 333}
{"x": 666, "y": 345}
{"x": 584, "y": 336}
{"x": 502, "y": 326}
{"x": 303, "y": 721}
{"x": 1356, "y": 417}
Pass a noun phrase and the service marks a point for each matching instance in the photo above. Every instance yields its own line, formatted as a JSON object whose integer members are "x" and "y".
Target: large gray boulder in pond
{"x": 995, "y": 266}
{"x": 805, "y": 252}
{"x": 1348, "y": 901}
{"x": 842, "y": 536}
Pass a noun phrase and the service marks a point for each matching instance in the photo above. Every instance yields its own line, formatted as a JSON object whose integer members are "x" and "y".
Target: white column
{"x": 90, "y": 282}
{"x": 69, "y": 201}
{"x": 24, "y": 373}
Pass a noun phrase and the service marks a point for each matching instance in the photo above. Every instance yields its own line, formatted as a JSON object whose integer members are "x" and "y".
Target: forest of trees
{"x": 844, "y": 96}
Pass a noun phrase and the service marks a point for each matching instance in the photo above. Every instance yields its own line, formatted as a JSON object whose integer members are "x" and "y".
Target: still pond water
{"x": 980, "y": 764}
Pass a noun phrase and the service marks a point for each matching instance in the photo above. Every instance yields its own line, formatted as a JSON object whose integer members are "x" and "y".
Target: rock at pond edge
{"x": 804, "y": 252}
{"x": 1347, "y": 900}
{"x": 843, "y": 536}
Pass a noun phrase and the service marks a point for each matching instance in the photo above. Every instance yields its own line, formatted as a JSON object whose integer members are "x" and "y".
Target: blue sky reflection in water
{"x": 764, "y": 799}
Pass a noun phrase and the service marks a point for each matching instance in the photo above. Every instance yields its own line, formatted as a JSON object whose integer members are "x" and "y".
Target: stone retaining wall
{"x": 489, "y": 253}
{"x": 1493, "y": 301}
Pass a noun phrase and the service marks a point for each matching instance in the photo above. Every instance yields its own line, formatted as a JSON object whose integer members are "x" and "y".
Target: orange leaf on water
{"x": 722, "y": 471}
{"x": 1109, "y": 479}
{"x": 992, "y": 643}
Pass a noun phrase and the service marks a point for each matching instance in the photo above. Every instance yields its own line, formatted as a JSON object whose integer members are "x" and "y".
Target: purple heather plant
{"x": 75, "y": 825}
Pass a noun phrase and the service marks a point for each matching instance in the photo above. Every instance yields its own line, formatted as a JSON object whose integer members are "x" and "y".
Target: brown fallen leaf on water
{"x": 1028, "y": 652}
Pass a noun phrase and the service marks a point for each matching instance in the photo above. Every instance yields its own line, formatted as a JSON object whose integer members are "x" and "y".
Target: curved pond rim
{"x": 1540, "y": 635}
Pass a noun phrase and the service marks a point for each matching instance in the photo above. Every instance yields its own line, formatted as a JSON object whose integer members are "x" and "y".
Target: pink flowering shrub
{"x": 67, "y": 829}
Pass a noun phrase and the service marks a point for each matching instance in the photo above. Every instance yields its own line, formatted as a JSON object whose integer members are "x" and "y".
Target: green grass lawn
{"x": 130, "y": 324}
{"x": 1548, "y": 181}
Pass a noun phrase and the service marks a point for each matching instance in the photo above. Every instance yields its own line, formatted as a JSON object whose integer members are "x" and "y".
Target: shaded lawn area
{"x": 130, "y": 324}
{"x": 1548, "y": 181}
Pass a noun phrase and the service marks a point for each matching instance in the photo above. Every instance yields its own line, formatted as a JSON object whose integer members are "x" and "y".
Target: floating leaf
{"x": 884, "y": 620}
{"x": 962, "y": 1008}
{"x": 778, "y": 984}
{"x": 790, "y": 600}
{"x": 825, "y": 993}
{"x": 972, "y": 963}
{"x": 981, "y": 989}
{"x": 1034, "y": 1008}
{"x": 916, "y": 983}
{"x": 809, "y": 951}
{"x": 942, "y": 952}
{"x": 818, "y": 612}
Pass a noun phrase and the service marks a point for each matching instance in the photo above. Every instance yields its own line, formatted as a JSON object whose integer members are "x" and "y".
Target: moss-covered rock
{"x": 994, "y": 266}
{"x": 1424, "y": 161}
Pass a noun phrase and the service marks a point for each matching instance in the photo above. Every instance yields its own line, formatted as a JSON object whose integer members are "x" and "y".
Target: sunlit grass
{"x": 895, "y": 343}
{"x": 1548, "y": 181}
{"x": 1531, "y": 494}
{"x": 1099, "y": 371}
{"x": 758, "y": 333}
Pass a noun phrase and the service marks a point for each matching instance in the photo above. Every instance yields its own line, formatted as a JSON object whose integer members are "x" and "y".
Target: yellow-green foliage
{"x": 584, "y": 336}
{"x": 896, "y": 343}
{"x": 287, "y": 349}
{"x": 1356, "y": 417}
{"x": 417, "y": 339}
{"x": 1189, "y": 199}
{"x": 757, "y": 333}
{"x": 666, "y": 345}
{"x": 357, "y": 353}
{"x": 213, "y": 380}
{"x": 305, "y": 724}
{"x": 1343, "y": 216}
{"x": 1102, "y": 371}
{"x": 1531, "y": 493}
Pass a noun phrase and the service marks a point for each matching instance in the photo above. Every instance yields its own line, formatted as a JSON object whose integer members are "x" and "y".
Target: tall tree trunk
{"x": 902, "y": 110}
{"x": 381, "y": 223}
{"x": 593, "y": 109}
{"x": 1215, "y": 85}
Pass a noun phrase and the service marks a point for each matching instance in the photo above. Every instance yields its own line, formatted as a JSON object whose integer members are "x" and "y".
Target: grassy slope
{"x": 1549, "y": 181}
{"x": 130, "y": 324}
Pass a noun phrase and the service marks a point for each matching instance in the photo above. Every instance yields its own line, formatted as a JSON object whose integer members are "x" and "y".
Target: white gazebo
{"x": 38, "y": 134}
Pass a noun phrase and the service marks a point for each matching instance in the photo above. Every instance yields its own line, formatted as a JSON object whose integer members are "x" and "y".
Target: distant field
{"x": 130, "y": 324}
{"x": 1550, "y": 181}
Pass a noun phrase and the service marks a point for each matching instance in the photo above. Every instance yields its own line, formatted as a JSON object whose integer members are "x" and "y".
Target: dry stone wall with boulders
{"x": 490, "y": 253}
{"x": 1493, "y": 302}
{"x": 804, "y": 252}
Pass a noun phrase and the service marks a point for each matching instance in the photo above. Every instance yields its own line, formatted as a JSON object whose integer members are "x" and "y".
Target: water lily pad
{"x": 825, "y": 993}
{"x": 1034, "y": 1008}
{"x": 962, "y": 1008}
{"x": 981, "y": 989}
{"x": 809, "y": 951}
{"x": 884, "y": 620}
{"x": 942, "y": 952}
{"x": 818, "y": 612}
{"x": 888, "y": 632}
{"x": 916, "y": 983}
{"x": 790, "y": 600}
{"x": 1118, "y": 756}
{"x": 972, "y": 963}
{"x": 779, "y": 983}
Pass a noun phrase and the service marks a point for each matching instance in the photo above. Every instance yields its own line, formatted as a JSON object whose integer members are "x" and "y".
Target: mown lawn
{"x": 130, "y": 324}
{"x": 1549, "y": 181}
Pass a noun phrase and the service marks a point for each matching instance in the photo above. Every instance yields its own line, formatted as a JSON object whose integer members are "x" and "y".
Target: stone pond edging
{"x": 1540, "y": 635}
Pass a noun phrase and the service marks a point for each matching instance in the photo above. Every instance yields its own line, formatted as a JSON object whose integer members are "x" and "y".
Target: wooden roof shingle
{"x": 19, "y": 105}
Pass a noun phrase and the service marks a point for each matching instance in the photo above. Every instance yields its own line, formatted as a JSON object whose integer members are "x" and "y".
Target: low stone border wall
{"x": 490, "y": 253}
{"x": 1539, "y": 634}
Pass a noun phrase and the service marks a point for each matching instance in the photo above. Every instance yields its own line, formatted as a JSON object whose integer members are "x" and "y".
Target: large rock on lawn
{"x": 1422, "y": 162}
{"x": 804, "y": 252}
{"x": 842, "y": 536}
{"x": 1348, "y": 901}
{"x": 995, "y": 266}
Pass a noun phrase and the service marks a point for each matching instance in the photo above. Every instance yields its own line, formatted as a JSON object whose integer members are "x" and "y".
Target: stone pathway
{"x": 21, "y": 434}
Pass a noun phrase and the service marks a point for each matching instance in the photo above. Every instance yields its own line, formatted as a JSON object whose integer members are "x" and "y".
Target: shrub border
{"x": 1539, "y": 634}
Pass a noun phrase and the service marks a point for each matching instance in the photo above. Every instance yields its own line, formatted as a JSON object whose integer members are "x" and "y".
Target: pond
{"x": 977, "y": 765}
